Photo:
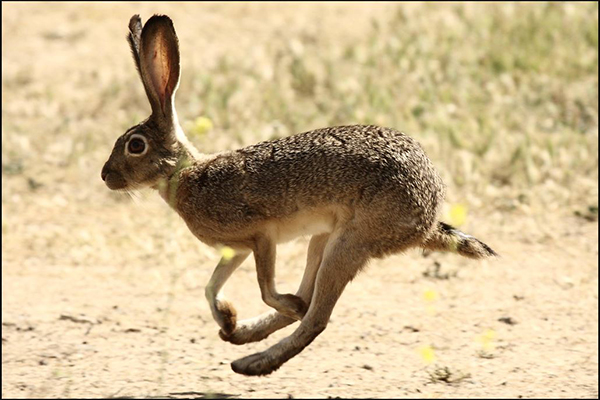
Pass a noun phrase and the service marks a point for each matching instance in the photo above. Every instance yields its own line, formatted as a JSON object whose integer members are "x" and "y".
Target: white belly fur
{"x": 303, "y": 223}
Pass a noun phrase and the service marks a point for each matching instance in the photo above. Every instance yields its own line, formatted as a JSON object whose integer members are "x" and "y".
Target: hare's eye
{"x": 136, "y": 146}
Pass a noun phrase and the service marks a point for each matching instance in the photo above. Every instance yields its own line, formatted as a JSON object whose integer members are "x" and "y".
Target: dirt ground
{"x": 103, "y": 296}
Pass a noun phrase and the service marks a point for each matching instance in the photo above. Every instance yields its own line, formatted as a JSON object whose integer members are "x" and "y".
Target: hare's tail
{"x": 447, "y": 238}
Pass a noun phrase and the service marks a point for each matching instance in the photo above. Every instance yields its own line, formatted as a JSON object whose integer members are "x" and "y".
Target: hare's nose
{"x": 104, "y": 172}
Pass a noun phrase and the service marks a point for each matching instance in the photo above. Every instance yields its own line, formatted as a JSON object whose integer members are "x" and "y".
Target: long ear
{"x": 159, "y": 65}
{"x": 134, "y": 37}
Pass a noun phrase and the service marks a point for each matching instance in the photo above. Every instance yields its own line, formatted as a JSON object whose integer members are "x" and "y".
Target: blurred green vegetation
{"x": 504, "y": 96}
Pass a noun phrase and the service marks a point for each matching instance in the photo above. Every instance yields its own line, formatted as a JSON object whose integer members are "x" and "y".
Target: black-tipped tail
{"x": 447, "y": 238}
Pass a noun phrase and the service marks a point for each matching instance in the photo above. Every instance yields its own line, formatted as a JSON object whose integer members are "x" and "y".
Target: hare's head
{"x": 149, "y": 151}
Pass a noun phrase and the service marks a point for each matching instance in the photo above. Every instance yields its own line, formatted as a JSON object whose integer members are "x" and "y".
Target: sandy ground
{"x": 104, "y": 297}
{"x": 139, "y": 331}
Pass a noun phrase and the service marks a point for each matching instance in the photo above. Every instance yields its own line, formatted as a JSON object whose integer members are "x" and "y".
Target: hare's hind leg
{"x": 222, "y": 310}
{"x": 343, "y": 258}
{"x": 258, "y": 328}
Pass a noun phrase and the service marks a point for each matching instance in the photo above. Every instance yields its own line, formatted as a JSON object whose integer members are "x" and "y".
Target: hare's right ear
{"x": 155, "y": 50}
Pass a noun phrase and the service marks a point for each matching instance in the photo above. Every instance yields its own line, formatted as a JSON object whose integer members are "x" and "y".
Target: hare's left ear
{"x": 158, "y": 62}
{"x": 134, "y": 37}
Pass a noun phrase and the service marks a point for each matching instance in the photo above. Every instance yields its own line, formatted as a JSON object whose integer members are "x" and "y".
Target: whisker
{"x": 133, "y": 196}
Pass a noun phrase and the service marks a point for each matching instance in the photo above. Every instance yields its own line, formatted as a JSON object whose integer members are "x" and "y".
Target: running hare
{"x": 360, "y": 191}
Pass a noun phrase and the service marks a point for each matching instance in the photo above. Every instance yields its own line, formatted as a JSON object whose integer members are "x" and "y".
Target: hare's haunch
{"x": 360, "y": 191}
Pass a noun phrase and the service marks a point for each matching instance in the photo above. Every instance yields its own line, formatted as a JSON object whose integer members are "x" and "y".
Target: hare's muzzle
{"x": 112, "y": 179}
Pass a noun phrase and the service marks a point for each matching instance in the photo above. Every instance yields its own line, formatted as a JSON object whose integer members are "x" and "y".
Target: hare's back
{"x": 339, "y": 164}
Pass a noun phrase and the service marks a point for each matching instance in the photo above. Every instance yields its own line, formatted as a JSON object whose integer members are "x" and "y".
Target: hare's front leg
{"x": 287, "y": 304}
{"x": 222, "y": 310}
{"x": 258, "y": 328}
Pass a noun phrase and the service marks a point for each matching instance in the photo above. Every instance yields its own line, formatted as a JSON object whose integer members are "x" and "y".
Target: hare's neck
{"x": 167, "y": 188}
{"x": 187, "y": 149}
{"x": 187, "y": 157}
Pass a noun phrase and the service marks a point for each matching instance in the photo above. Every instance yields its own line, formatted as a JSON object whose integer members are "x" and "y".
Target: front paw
{"x": 226, "y": 316}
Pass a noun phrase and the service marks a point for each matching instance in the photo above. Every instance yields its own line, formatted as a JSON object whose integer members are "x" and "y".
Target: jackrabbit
{"x": 360, "y": 191}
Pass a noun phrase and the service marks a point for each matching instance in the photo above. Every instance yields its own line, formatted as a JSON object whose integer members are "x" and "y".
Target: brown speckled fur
{"x": 381, "y": 176}
{"x": 360, "y": 191}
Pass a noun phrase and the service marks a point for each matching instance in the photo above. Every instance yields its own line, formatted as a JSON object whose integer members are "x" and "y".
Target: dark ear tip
{"x": 160, "y": 19}
{"x": 159, "y": 23}
{"x": 134, "y": 22}
{"x": 161, "y": 16}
